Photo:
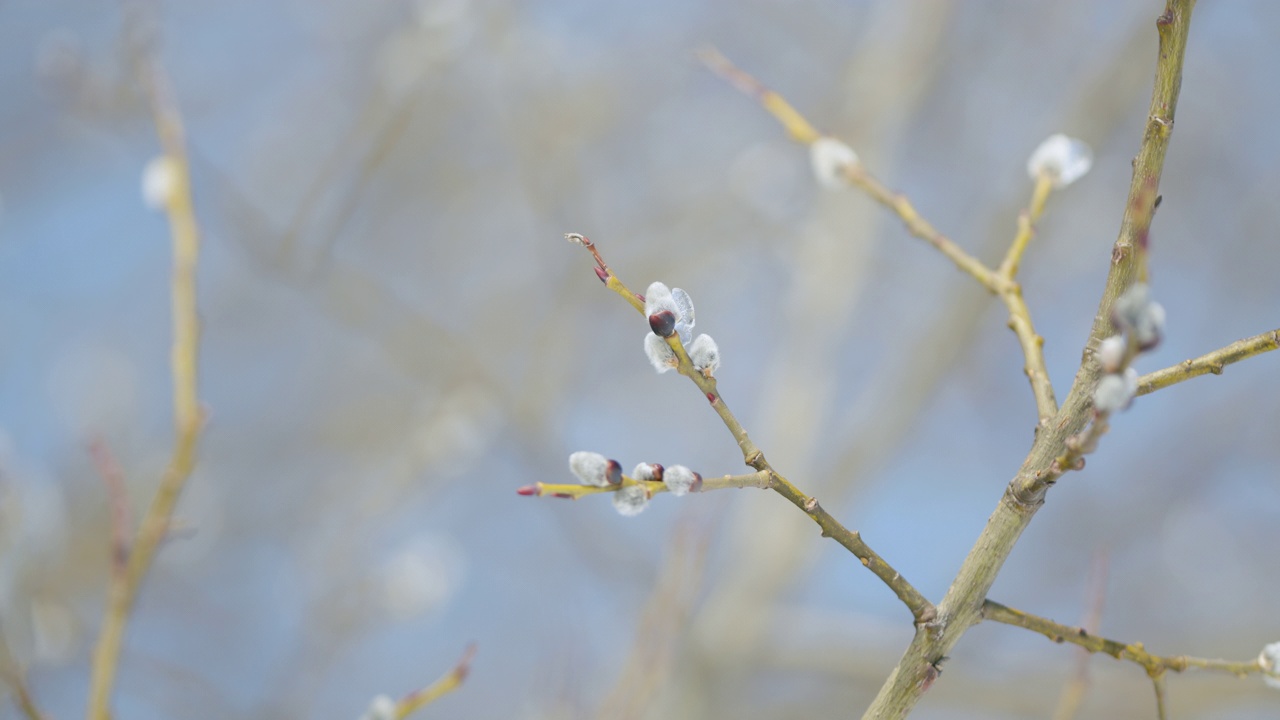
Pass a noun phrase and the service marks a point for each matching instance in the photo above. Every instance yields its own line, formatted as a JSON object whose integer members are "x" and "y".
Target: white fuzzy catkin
{"x": 660, "y": 354}
{"x": 591, "y": 468}
{"x": 679, "y": 479}
{"x": 1115, "y": 392}
{"x": 829, "y": 158}
{"x": 380, "y": 708}
{"x": 1111, "y": 353}
{"x": 645, "y": 471}
{"x": 630, "y": 500}
{"x": 159, "y": 182}
{"x": 1064, "y": 159}
{"x": 705, "y": 355}
{"x": 658, "y": 298}
{"x": 1269, "y": 659}
{"x": 1136, "y": 312}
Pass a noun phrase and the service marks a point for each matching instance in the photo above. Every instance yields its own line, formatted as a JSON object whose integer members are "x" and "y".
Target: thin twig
{"x": 15, "y": 676}
{"x": 999, "y": 282}
{"x": 1209, "y": 363}
{"x": 447, "y": 683}
{"x": 1073, "y": 692}
{"x": 187, "y": 415}
{"x": 921, "y": 609}
{"x": 117, "y": 499}
{"x": 1157, "y": 682}
{"x": 573, "y": 492}
{"x": 1131, "y": 652}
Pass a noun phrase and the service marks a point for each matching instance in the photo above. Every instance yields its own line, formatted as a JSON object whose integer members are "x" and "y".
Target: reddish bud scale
{"x": 697, "y": 483}
{"x": 663, "y": 324}
{"x": 602, "y": 274}
{"x": 528, "y": 490}
{"x": 711, "y": 398}
{"x": 564, "y": 496}
{"x": 614, "y": 473}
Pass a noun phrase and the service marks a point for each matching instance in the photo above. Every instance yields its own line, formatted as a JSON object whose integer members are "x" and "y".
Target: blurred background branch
{"x": 395, "y": 339}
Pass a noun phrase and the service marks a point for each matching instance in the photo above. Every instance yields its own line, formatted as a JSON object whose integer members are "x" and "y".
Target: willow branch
{"x": 962, "y": 606}
{"x": 921, "y": 609}
{"x": 124, "y": 586}
{"x": 1210, "y": 363}
{"x": 1157, "y": 682}
{"x": 14, "y": 675}
{"x": 449, "y": 682}
{"x": 999, "y": 282}
{"x": 118, "y": 499}
{"x": 1073, "y": 692}
{"x": 1131, "y": 652}
{"x": 567, "y": 491}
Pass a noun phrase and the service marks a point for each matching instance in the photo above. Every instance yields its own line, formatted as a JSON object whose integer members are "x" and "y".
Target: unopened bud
{"x": 681, "y": 480}
{"x": 1111, "y": 353}
{"x": 704, "y": 355}
{"x": 595, "y": 469}
{"x": 1061, "y": 158}
{"x": 631, "y": 500}
{"x": 647, "y": 471}
{"x": 602, "y": 274}
{"x": 528, "y": 490}
{"x": 663, "y": 323}
{"x": 661, "y": 356}
{"x": 830, "y": 159}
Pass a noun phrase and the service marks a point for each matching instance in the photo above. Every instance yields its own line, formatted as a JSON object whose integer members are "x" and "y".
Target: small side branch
{"x": 1131, "y": 652}
{"x": 188, "y": 417}
{"x": 999, "y": 282}
{"x": 570, "y": 491}
{"x": 449, "y": 682}
{"x": 118, "y": 499}
{"x": 1211, "y": 363}
{"x": 921, "y": 609}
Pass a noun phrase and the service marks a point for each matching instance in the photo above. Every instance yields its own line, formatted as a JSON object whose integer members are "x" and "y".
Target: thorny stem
{"x": 1209, "y": 363}
{"x": 124, "y": 585}
{"x": 921, "y": 609}
{"x": 1132, "y": 652}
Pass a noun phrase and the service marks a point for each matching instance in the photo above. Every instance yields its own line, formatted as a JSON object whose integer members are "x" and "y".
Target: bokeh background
{"x": 396, "y": 336}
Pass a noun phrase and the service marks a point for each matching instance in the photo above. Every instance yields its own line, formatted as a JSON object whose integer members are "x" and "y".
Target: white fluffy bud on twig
{"x": 159, "y": 182}
{"x": 684, "y": 314}
{"x": 1063, "y": 159}
{"x": 648, "y": 471}
{"x": 830, "y": 159}
{"x": 661, "y": 309}
{"x": 1115, "y": 392}
{"x": 631, "y": 500}
{"x": 660, "y": 353}
{"x": 595, "y": 469}
{"x": 1269, "y": 661}
{"x": 1137, "y": 313}
{"x": 680, "y": 480}
{"x": 381, "y": 708}
{"x": 704, "y": 355}
{"x": 1111, "y": 353}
